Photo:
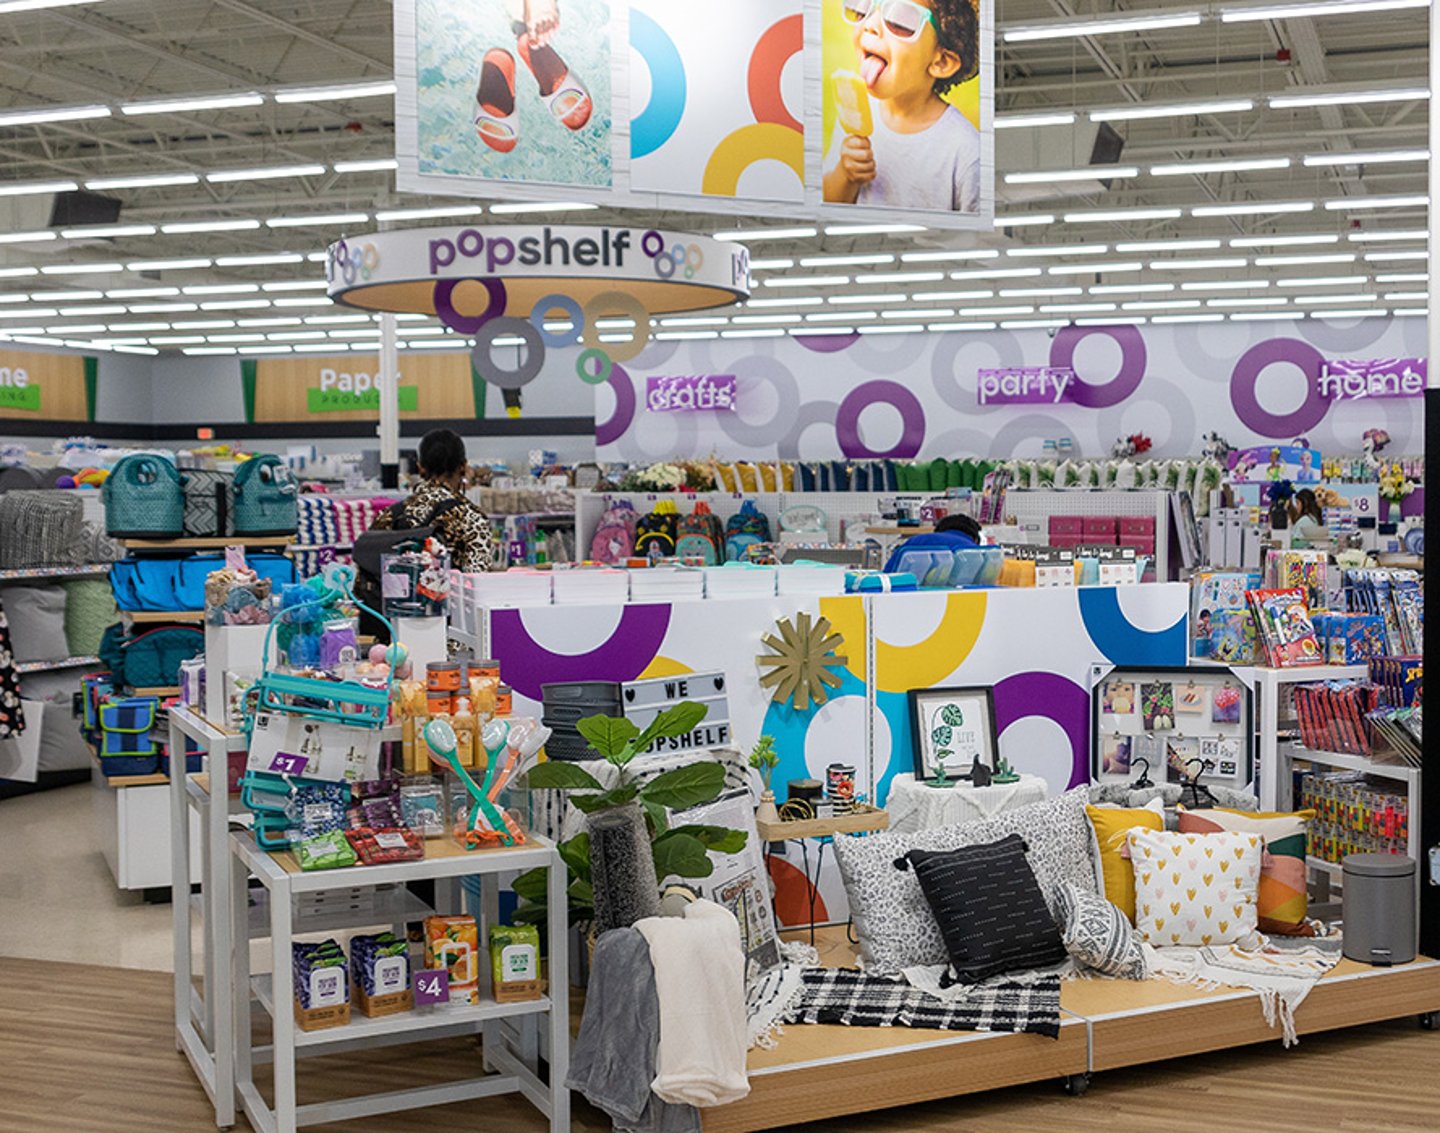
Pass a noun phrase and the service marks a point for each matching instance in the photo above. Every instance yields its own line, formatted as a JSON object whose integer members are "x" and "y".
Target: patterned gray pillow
{"x": 892, "y": 918}
{"x": 1098, "y": 935}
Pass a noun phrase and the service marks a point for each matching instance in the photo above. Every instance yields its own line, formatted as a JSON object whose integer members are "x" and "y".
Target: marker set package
{"x": 1354, "y": 814}
{"x": 1286, "y": 633}
{"x": 1332, "y": 715}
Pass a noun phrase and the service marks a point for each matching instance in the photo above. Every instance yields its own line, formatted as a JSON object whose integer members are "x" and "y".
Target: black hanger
{"x": 1200, "y": 796}
{"x": 1144, "y": 780}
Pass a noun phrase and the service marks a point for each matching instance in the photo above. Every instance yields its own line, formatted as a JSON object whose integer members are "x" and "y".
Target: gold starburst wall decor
{"x": 800, "y": 661}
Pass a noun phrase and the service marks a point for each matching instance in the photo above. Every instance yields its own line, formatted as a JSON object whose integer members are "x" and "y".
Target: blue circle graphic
{"x": 653, "y": 126}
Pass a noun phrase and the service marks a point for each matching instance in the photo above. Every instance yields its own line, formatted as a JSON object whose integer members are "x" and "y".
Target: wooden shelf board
{"x": 824, "y": 827}
{"x": 215, "y": 544}
{"x": 23, "y": 667}
{"x": 147, "y": 616}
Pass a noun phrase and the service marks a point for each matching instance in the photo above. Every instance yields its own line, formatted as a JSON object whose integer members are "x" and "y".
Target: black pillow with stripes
{"x": 989, "y": 907}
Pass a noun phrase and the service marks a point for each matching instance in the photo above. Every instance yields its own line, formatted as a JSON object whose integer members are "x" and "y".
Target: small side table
{"x": 915, "y": 806}
{"x": 825, "y": 831}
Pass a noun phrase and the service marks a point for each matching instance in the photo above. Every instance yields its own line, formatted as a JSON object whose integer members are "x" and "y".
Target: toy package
{"x": 1350, "y": 639}
{"x": 453, "y": 943}
{"x": 1233, "y": 638}
{"x": 1214, "y": 597}
{"x": 1286, "y": 633}
{"x": 1401, "y": 680}
{"x": 1305, "y": 569}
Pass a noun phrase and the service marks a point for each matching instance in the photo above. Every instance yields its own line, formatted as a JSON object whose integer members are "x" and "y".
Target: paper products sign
{"x": 690, "y": 393}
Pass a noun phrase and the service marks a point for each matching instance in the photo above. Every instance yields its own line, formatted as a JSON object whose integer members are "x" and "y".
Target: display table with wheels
{"x": 510, "y": 1045}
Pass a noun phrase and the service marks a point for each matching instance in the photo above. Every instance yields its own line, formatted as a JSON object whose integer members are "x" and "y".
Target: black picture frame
{"x": 925, "y": 704}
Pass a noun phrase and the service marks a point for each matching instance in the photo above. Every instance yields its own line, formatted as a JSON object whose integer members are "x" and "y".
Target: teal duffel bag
{"x": 144, "y": 499}
{"x": 266, "y": 498}
{"x": 152, "y": 660}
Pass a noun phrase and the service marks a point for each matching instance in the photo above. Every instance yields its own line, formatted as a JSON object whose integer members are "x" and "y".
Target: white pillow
{"x": 1195, "y": 889}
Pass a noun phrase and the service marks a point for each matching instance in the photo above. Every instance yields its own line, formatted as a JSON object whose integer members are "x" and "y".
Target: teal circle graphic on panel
{"x": 654, "y": 126}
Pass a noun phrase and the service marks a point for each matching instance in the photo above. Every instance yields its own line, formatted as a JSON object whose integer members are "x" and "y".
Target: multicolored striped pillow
{"x": 1283, "y": 899}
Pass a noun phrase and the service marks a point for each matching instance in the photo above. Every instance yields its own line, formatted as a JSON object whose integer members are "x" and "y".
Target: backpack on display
{"x": 266, "y": 498}
{"x": 144, "y": 499}
{"x": 747, "y": 527}
{"x": 207, "y": 503}
{"x": 657, "y": 530}
{"x": 152, "y": 660}
{"x": 700, "y": 536}
{"x": 614, "y": 539}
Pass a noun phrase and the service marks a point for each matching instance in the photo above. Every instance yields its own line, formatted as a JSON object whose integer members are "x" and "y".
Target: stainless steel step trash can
{"x": 1379, "y": 908}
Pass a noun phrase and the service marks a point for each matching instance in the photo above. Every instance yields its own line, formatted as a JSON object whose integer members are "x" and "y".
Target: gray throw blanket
{"x": 613, "y": 1061}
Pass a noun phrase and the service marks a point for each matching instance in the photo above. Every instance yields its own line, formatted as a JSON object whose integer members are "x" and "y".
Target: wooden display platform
{"x": 817, "y": 1072}
{"x": 858, "y": 822}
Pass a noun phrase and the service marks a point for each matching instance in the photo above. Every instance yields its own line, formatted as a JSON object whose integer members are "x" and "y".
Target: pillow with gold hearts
{"x": 1194, "y": 890}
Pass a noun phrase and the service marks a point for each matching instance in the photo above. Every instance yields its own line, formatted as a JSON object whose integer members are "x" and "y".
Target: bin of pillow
{"x": 1282, "y": 901}
{"x": 893, "y": 922}
{"x": 1097, "y": 935}
{"x": 37, "y": 622}
{"x": 1195, "y": 889}
{"x": 991, "y": 912}
{"x": 1116, "y": 876}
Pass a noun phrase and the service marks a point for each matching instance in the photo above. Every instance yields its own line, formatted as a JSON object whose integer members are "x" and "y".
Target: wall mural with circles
{"x": 908, "y": 395}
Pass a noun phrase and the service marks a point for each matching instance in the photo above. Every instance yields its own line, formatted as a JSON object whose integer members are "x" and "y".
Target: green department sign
{"x": 338, "y": 401}
{"x": 26, "y": 397}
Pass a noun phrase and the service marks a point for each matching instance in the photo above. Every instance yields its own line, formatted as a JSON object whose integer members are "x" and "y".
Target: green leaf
{"x": 674, "y": 721}
{"x": 658, "y": 817}
{"x": 557, "y": 775}
{"x": 681, "y": 855}
{"x": 589, "y": 804}
{"x": 609, "y": 735}
{"x": 720, "y": 839}
{"x": 686, "y": 786}
{"x": 530, "y": 886}
{"x": 576, "y": 855}
{"x": 532, "y": 914}
{"x": 581, "y": 893}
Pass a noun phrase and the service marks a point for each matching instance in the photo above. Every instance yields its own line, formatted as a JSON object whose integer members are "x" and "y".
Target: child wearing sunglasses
{"x": 916, "y": 151}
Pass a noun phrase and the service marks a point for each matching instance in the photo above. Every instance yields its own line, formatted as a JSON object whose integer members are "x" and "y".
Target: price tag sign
{"x": 432, "y": 988}
{"x": 286, "y": 764}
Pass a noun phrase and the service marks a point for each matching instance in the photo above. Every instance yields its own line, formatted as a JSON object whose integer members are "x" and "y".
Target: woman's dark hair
{"x": 961, "y": 523}
{"x": 957, "y": 27}
{"x": 441, "y": 453}
{"x": 1306, "y": 503}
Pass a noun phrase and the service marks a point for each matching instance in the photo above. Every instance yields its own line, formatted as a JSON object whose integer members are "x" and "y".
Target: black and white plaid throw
{"x": 845, "y": 995}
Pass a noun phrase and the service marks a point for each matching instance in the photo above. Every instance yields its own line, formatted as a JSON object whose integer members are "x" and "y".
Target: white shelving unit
{"x": 1269, "y": 685}
{"x": 510, "y": 1051}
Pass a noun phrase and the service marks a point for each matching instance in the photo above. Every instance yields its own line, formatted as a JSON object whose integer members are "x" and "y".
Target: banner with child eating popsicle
{"x": 847, "y": 110}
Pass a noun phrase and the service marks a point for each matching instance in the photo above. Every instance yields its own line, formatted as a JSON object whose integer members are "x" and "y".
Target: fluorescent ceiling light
{"x": 1321, "y": 300}
{"x": 1093, "y": 173}
{"x": 1038, "y": 292}
{"x": 1198, "y": 265}
{"x": 809, "y": 281}
{"x": 1262, "y": 301}
{"x": 1033, "y": 324}
{"x": 1025, "y": 220}
{"x": 1237, "y": 165}
{"x": 80, "y": 269}
{"x": 767, "y": 234}
{"x": 1372, "y": 313}
{"x": 1406, "y": 296}
{"x": 1074, "y": 308}
{"x": 543, "y": 206}
{"x": 1120, "y": 216}
{"x": 160, "y": 308}
{"x": 1394, "y": 257}
{"x": 427, "y": 213}
{"x": 941, "y": 328}
{"x": 841, "y": 316}
{"x": 71, "y": 296}
{"x": 92, "y": 312}
{"x": 1314, "y": 8}
{"x": 938, "y": 257}
{"x": 789, "y": 301}
{"x": 871, "y": 229}
{"x": 1391, "y": 234}
{"x": 107, "y": 231}
{"x": 30, "y": 188}
{"x": 980, "y": 312}
{"x": 774, "y": 332}
{"x": 1226, "y": 285}
{"x": 1297, "y": 261}
{"x": 40, "y": 115}
{"x": 250, "y": 261}
{"x": 1349, "y": 204}
{"x": 1131, "y": 288}
{"x": 1260, "y": 317}
{"x": 900, "y": 277}
{"x": 1035, "y": 118}
{"x": 1170, "y": 110}
{"x": 1330, "y": 96}
{"x": 143, "y": 181}
{"x": 1059, "y": 250}
{"x": 1165, "y": 305}
{"x": 222, "y": 289}
{"x": 1096, "y": 268}
{"x": 7, "y": 6}
{"x": 167, "y": 265}
{"x": 28, "y": 237}
{"x": 771, "y": 265}
{"x": 374, "y": 165}
{"x": 1215, "y": 318}
{"x": 263, "y": 173}
{"x": 908, "y": 329}
{"x": 838, "y": 261}
{"x": 187, "y": 227}
{"x": 1167, "y": 246}
{"x": 866, "y": 299}
{"x": 1254, "y": 208}
{"x": 1284, "y": 241}
{"x": 1321, "y": 281}
{"x": 318, "y": 221}
{"x": 336, "y": 93}
{"x": 918, "y": 313}
{"x": 694, "y": 321}
{"x": 951, "y": 296}
{"x": 1404, "y": 277}
{"x": 199, "y": 102}
{"x": 995, "y": 273}
{"x": 1105, "y": 25}
{"x": 1374, "y": 157}
{"x": 1421, "y": 311}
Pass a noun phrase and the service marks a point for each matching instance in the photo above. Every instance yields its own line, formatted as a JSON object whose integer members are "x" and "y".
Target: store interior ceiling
{"x": 1261, "y": 161}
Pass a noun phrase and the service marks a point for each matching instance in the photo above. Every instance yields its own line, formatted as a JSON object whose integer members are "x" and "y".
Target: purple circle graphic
{"x": 827, "y": 343}
{"x": 627, "y": 653}
{"x": 1123, "y": 384}
{"x": 1050, "y": 697}
{"x": 1247, "y": 376}
{"x": 468, "y": 324}
{"x": 645, "y": 243}
{"x": 847, "y": 421}
{"x": 608, "y": 432}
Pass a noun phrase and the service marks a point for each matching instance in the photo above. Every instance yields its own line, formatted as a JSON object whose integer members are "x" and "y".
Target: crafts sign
{"x": 688, "y": 393}
{"x": 644, "y": 700}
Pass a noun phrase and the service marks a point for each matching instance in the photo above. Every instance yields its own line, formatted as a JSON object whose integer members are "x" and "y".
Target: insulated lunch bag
{"x": 266, "y": 498}
{"x": 144, "y": 499}
{"x": 152, "y": 660}
{"x": 207, "y": 503}
{"x": 701, "y": 536}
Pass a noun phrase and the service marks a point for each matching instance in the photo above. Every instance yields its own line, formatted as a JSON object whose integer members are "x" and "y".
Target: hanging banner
{"x": 689, "y": 393}
{"x": 822, "y": 109}
{"x": 346, "y": 387}
{"x": 49, "y": 387}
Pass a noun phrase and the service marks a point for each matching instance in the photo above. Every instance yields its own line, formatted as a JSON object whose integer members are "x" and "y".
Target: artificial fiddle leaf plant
{"x": 679, "y": 852}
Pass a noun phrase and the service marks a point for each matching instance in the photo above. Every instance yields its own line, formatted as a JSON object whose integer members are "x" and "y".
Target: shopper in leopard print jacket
{"x": 462, "y": 526}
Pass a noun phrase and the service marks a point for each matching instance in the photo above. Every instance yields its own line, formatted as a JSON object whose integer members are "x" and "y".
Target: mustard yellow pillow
{"x": 1116, "y": 872}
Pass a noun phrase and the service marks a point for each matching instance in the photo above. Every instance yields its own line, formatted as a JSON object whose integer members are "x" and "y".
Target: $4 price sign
{"x": 431, "y": 988}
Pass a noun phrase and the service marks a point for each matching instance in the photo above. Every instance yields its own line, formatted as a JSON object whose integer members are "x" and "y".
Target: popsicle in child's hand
{"x": 852, "y": 104}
